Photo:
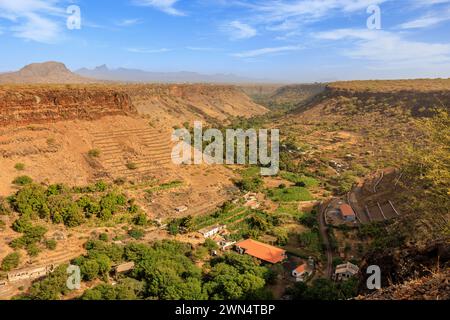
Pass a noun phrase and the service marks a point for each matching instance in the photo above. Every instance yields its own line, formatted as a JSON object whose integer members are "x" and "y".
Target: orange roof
{"x": 346, "y": 210}
{"x": 301, "y": 268}
{"x": 262, "y": 251}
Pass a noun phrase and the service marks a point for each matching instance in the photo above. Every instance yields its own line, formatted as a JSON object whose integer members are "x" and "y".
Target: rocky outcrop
{"x": 22, "y": 105}
{"x": 410, "y": 262}
{"x": 433, "y": 287}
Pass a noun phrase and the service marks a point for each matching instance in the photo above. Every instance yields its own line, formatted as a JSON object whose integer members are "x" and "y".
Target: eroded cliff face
{"x": 23, "y": 105}
{"x": 163, "y": 105}
{"x": 174, "y": 104}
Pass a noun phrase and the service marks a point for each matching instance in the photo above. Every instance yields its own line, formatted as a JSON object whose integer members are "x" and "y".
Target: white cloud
{"x": 264, "y": 51}
{"x": 306, "y": 10}
{"x": 387, "y": 49}
{"x": 128, "y": 22}
{"x": 143, "y": 50}
{"x": 239, "y": 30}
{"x": 428, "y": 20}
{"x": 35, "y": 20}
{"x": 166, "y": 6}
{"x": 202, "y": 49}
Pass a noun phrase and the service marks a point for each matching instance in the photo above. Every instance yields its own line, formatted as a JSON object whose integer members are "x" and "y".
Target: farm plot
{"x": 381, "y": 212}
{"x": 133, "y": 152}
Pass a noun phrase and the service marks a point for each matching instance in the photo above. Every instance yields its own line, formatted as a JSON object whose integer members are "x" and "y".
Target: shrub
{"x": 19, "y": 166}
{"x": 22, "y": 181}
{"x": 33, "y": 250}
{"x": 94, "y": 153}
{"x": 89, "y": 206}
{"x": 103, "y": 237}
{"x": 50, "y": 244}
{"x": 309, "y": 219}
{"x": 30, "y": 201}
{"x": 22, "y": 225}
{"x": 136, "y": 233}
{"x": 174, "y": 227}
{"x": 140, "y": 219}
{"x": 101, "y": 186}
{"x": 89, "y": 269}
{"x": 132, "y": 166}
{"x": 11, "y": 261}
{"x": 51, "y": 141}
{"x": 210, "y": 244}
{"x": 64, "y": 210}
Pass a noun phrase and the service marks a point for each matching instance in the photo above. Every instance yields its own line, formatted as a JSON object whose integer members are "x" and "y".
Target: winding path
{"x": 323, "y": 229}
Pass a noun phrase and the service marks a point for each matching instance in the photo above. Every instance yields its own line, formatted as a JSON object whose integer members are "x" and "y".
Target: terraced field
{"x": 136, "y": 152}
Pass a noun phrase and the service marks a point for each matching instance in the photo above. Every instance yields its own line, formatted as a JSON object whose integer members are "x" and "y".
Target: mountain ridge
{"x": 103, "y": 72}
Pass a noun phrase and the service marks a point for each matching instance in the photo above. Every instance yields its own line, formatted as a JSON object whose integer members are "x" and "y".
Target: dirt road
{"x": 323, "y": 229}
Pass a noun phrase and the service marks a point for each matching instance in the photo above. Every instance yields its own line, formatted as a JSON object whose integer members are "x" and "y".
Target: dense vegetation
{"x": 164, "y": 270}
{"x": 72, "y": 207}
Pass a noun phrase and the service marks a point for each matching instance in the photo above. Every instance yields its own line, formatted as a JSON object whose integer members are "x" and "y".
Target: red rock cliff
{"x": 21, "y": 105}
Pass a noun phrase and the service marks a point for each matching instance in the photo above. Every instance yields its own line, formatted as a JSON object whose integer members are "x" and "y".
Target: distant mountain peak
{"x": 103, "y": 67}
{"x": 45, "y": 72}
{"x": 44, "y": 68}
{"x": 135, "y": 75}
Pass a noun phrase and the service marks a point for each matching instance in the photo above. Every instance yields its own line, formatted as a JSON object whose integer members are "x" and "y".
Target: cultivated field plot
{"x": 381, "y": 212}
{"x": 133, "y": 152}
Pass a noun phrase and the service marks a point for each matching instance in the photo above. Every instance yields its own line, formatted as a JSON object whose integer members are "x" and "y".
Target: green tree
{"x": 11, "y": 261}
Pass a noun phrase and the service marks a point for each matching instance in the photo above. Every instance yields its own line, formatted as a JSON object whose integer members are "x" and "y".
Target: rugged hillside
{"x": 164, "y": 105}
{"x": 52, "y": 128}
{"x": 433, "y": 287}
{"x": 376, "y": 143}
{"x": 175, "y": 104}
{"x": 47, "y": 72}
{"x": 282, "y": 96}
{"x": 412, "y": 273}
{"x": 21, "y": 105}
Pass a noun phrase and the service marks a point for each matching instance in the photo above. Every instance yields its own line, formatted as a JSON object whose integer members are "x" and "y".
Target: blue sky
{"x": 283, "y": 40}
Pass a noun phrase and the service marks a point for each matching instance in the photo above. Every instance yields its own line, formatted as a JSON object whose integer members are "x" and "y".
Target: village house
{"x": 30, "y": 274}
{"x": 347, "y": 213}
{"x": 251, "y": 201}
{"x": 211, "y": 231}
{"x": 226, "y": 245}
{"x": 261, "y": 251}
{"x": 124, "y": 267}
{"x": 345, "y": 271}
{"x": 300, "y": 273}
{"x": 304, "y": 270}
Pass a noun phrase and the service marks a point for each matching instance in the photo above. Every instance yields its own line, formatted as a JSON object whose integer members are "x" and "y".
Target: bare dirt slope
{"x": 52, "y": 128}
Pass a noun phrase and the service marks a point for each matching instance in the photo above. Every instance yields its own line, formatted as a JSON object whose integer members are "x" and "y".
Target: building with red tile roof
{"x": 261, "y": 251}
{"x": 347, "y": 212}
